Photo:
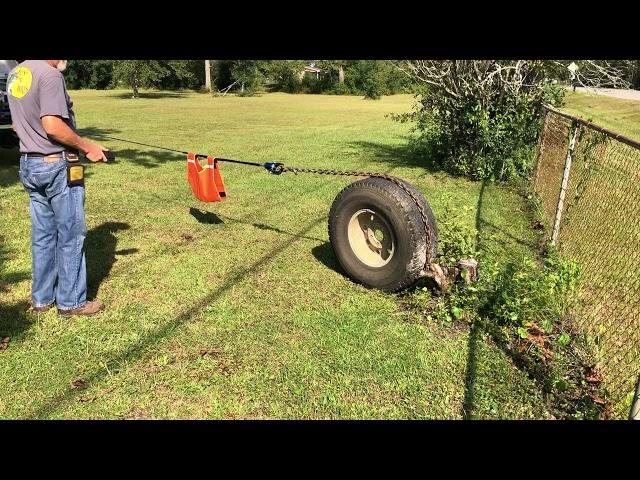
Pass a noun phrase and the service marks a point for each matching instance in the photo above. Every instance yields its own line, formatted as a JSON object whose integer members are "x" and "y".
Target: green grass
{"x": 617, "y": 114}
{"x": 253, "y": 280}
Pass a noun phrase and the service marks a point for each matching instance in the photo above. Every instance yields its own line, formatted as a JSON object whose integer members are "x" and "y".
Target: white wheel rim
{"x": 370, "y": 238}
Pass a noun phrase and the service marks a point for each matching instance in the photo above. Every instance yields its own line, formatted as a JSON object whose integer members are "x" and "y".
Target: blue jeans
{"x": 58, "y": 231}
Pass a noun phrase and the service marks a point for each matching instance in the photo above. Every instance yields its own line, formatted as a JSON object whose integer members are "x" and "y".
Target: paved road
{"x": 612, "y": 92}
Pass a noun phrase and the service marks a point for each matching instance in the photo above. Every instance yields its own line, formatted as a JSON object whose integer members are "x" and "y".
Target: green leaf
{"x": 564, "y": 339}
{"x": 522, "y": 332}
{"x": 561, "y": 385}
{"x": 457, "y": 312}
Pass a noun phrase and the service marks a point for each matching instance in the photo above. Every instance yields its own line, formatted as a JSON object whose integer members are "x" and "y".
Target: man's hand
{"x": 60, "y": 131}
{"x": 95, "y": 152}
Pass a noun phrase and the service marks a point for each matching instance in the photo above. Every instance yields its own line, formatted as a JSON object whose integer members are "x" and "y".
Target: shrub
{"x": 480, "y": 119}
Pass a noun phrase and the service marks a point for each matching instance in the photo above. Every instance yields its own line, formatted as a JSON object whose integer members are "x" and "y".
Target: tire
{"x": 8, "y": 139}
{"x": 377, "y": 233}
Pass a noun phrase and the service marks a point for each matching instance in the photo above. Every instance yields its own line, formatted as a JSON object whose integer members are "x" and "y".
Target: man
{"x": 43, "y": 118}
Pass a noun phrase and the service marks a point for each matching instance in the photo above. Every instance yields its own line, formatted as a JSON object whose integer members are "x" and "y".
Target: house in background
{"x": 311, "y": 70}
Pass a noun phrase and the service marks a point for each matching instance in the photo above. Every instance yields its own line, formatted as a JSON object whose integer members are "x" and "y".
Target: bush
{"x": 481, "y": 119}
{"x": 526, "y": 307}
{"x": 339, "y": 89}
{"x": 366, "y": 77}
{"x": 285, "y": 75}
{"x": 456, "y": 239}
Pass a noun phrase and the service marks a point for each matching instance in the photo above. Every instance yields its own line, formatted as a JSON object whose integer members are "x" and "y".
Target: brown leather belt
{"x": 54, "y": 157}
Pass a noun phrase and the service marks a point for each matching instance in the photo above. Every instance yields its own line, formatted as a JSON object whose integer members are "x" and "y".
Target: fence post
{"x": 539, "y": 150}
{"x": 634, "y": 414}
{"x": 565, "y": 182}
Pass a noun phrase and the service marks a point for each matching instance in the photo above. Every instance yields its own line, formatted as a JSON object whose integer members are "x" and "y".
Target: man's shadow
{"x": 100, "y": 251}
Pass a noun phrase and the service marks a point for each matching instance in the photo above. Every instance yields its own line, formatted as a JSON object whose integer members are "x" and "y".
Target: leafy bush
{"x": 528, "y": 295}
{"x": 480, "y": 119}
{"x": 526, "y": 307}
{"x": 456, "y": 239}
{"x": 285, "y": 75}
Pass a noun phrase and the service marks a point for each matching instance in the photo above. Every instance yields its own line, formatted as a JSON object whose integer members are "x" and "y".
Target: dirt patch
{"x": 91, "y": 398}
{"x": 137, "y": 414}
{"x": 78, "y": 384}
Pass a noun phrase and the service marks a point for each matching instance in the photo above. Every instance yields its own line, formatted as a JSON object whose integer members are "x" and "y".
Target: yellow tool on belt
{"x": 75, "y": 170}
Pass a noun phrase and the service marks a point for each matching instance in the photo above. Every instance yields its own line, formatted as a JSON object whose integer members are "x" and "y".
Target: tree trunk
{"x": 340, "y": 74}
{"x": 207, "y": 75}
{"x": 134, "y": 81}
{"x": 134, "y": 86}
{"x": 635, "y": 79}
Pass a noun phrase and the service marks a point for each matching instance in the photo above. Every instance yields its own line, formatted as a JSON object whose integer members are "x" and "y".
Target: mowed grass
{"x": 239, "y": 309}
{"x": 617, "y": 114}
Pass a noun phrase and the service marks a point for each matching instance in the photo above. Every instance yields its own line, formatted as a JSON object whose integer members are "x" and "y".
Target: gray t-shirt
{"x": 36, "y": 89}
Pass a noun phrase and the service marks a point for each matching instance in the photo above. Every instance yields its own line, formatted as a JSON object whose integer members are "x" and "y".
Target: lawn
{"x": 239, "y": 309}
{"x": 617, "y": 114}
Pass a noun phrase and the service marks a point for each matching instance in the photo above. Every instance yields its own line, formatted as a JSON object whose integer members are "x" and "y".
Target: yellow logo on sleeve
{"x": 20, "y": 82}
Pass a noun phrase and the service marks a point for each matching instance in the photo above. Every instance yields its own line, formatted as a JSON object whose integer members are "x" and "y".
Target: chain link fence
{"x": 588, "y": 181}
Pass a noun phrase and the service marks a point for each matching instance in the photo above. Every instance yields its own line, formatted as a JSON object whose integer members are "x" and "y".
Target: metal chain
{"x": 278, "y": 168}
{"x": 397, "y": 181}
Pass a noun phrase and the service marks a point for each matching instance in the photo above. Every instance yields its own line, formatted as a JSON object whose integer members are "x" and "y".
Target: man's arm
{"x": 57, "y": 129}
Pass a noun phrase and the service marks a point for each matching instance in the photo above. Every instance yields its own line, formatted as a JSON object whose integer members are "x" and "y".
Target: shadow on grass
{"x": 211, "y": 218}
{"x": 149, "y": 95}
{"x": 205, "y": 217}
{"x": 8, "y": 279}
{"x": 478, "y": 325}
{"x": 147, "y": 158}
{"x": 15, "y": 320}
{"x": 9, "y": 166}
{"x": 138, "y": 350}
{"x": 324, "y": 254}
{"x": 96, "y": 131}
{"x": 101, "y": 253}
{"x": 144, "y": 156}
{"x": 14, "y": 317}
{"x": 472, "y": 360}
{"x": 401, "y": 155}
{"x": 491, "y": 226}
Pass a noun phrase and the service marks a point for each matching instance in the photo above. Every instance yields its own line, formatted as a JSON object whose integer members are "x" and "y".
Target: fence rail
{"x": 588, "y": 180}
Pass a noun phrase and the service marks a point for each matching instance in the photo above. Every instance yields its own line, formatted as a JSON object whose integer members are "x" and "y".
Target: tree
{"x": 285, "y": 74}
{"x": 337, "y": 66}
{"x": 223, "y": 78}
{"x": 369, "y": 77}
{"x": 248, "y": 73}
{"x": 149, "y": 73}
{"x": 634, "y": 75}
{"x": 596, "y": 73}
{"x": 89, "y": 74}
{"x": 78, "y": 74}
